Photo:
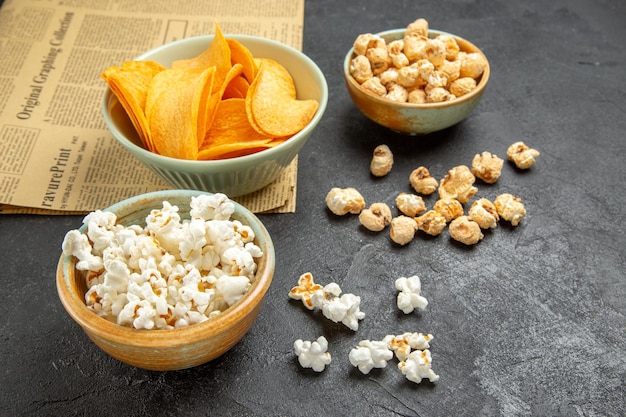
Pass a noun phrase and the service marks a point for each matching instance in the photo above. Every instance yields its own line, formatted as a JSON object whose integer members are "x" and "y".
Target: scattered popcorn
{"x": 403, "y": 344}
{"x": 376, "y": 217}
{"x": 370, "y": 354}
{"x": 449, "y": 208}
{"x": 409, "y": 297}
{"x": 425, "y": 70}
{"x": 382, "y": 161}
{"x": 313, "y": 354}
{"x": 402, "y": 230}
{"x": 432, "y": 223}
{"x": 173, "y": 272}
{"x": 342, "y": 201}
{"x": 510, "y": 208}
{"x": 335, "y": 306}
{"x": 522, "y": 155}
{"x": 410, "y": 204}
{"x": 422, "y": 181}
{"x": 484, "y": 213}
{"x": 458, "y": 183}
{"x": 466, "y": 231}
{"x": 487, "y": 167}
{"x": 339, "y": 308}
{"x": 305, "y": 289}
{"x": 418, "y": 366}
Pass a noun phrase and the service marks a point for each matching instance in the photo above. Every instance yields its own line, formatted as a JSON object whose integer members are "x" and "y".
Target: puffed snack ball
{"x": 432, "y": 223}
{"x": 382, "y": 161}
{"x": 422, "y": 182}
{"x": 484, "y": 213}
{"x": 449, "y": 208}
{"x": 403, "y": 229}
{"x": 342, "y": 201}
{"x": 466, "y": 231}
{"x": 487, "y": 167}
{"x": 510, "y": 208}
{"x": 410, "y": 204}
{"x": 522, "y": 155}
{"x": 376, "y": 217}
{"x": 458, "y": 183}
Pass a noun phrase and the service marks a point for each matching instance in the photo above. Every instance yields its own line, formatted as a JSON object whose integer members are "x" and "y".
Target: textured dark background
{"x": 531, "y": 321}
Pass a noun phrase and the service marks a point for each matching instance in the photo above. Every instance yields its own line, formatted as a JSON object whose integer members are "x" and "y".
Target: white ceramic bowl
{"x": 235, "y": 176}
{"x": 415, "y": 119}
{"x": 181, "y": 347}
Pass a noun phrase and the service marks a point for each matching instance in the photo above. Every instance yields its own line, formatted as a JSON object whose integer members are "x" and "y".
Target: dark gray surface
{"x": 531, "y": 321}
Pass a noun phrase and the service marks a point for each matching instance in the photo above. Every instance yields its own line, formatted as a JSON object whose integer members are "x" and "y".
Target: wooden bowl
{"x": 178, "y": 348}
{"x": 415, "y": 119}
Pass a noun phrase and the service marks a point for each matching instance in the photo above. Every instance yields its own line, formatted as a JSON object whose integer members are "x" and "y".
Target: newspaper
{"x": 57, "y": 155}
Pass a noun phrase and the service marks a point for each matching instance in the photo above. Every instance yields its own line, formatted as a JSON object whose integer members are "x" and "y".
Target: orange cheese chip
{"x": 222, "y": 103}
{"x": 231, "y": 132}
{"x": 130, "y": 84}
{"x": 272, "y": 103}
{"x": 239, "y": 54}
{"x": 172, "y": 109}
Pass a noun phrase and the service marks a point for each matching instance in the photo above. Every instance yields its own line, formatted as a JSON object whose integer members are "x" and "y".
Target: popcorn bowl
{"x": 415, "y": 119}
{"x": 234, "y": 176}
{"x": 181, "y": 347}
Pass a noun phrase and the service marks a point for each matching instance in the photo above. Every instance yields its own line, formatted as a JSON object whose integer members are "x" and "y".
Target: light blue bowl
{"x": 235, "y": 176}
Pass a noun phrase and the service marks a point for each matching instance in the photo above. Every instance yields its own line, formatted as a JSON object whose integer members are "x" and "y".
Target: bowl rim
{"x": 169, "y": 338}
{"x": 109, "y": 100}
{"x": 394, "y": 33}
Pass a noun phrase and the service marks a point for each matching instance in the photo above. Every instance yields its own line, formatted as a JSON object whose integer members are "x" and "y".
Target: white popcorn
{"x": 409, "y": 297}
{"x": 418, "y": 366}
{"x": 370, "y": 354}
{"x": 171, "y": 273}
{"x": 336, "y": 307}
{"x": 211, "y": 207}
{"x": 403, "y": 344}
{"x": 100, "y": 225}
{"x": 232, "y": 288}
{"x": 313, "y": 354}
{"x": 77, "y": 244}
{"x": 339, "y": 308}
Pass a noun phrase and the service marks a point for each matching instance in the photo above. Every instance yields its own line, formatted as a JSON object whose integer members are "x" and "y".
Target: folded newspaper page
{"x": 57, "y": 155}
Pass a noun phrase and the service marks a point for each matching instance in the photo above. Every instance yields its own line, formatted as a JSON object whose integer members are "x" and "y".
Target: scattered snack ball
{"x": 522, "y": 155}
{"x": 487, "y": 167}
{"x": 415, "y": 69}
{"x": 342, "y": 201}
{"x": 466, "y": 231}
{"x": 422, "y": 182}
{"x": 376, "y": 217}
{"x": 510, "y": 208}
{"x": 220, "y": 104}
{"x": 402, "y": 229}
{"x": 382, "y": 161}
{"x": 458, "y": 183}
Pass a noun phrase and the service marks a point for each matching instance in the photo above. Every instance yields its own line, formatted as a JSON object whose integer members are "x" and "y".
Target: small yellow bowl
{"x": 179, "y": 348}
{"x": 415, "y": 119}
